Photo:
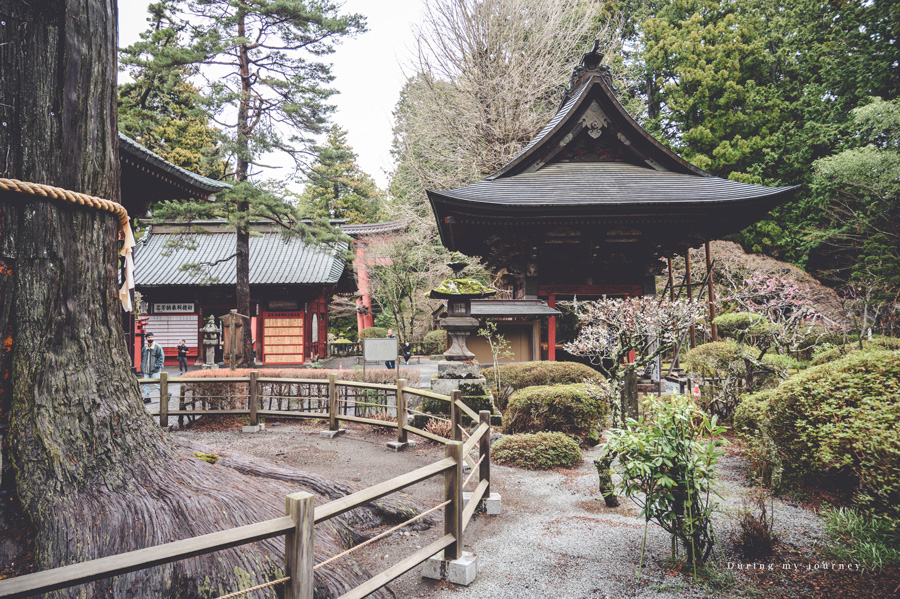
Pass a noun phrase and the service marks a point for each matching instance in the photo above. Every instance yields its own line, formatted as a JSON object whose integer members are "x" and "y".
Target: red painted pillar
{"x": 551, "y": 331}
{"x": 365, "y": 300}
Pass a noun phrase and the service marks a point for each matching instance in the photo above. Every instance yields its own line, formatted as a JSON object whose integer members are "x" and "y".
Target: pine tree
{"x": 261, "y": 77}
{"x": 337, "y": 188}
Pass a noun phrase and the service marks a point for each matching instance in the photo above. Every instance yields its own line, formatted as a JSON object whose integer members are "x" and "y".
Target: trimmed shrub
{"x": 577, "y": 410}
{"x": 373, "y": 333}
{"x": 744, "y": 325}
{"x": 539, "y": 451}
{"x": 875, "y": 344}
{"x": 840, "y": 420}
{"x": 751, "y": 413}
{"x": 716, "y": 359}
{"x": 531, "y": 374}
{"x": 435, "y": 342}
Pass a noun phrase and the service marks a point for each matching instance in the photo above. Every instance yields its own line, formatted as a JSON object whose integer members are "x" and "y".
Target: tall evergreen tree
{"x": 336, "y": 187}
{"x": 258, "y": 61}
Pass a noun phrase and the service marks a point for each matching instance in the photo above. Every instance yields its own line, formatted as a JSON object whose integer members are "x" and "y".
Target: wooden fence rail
{"x": 301, "y": 513}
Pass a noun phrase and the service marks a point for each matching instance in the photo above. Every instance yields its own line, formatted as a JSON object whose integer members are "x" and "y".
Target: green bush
{"x": 577, "y": 410}
{"x": 538, "y": 451}
{"x": 876, "y": 343}
{"x": 840, "y": 420}
{"x": 751, "y": 413}
{"x": 716, "y": 359}
{"x": 373, "y": 333}
{"x": 436, "y": 342}
{"x": 744, "y": 325}
{"x": 531, "y": 374}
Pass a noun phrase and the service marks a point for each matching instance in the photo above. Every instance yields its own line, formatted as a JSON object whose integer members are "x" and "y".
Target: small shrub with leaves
{"x": 577, "y": 410}
{"x": 373, "y": 333}
{"x": 668, "y": 466}
{"x": 538, "y": 451}
{"x": 744, "y": 326}
{"x": 435, "y": 341}
{"x": 756, "y": 521}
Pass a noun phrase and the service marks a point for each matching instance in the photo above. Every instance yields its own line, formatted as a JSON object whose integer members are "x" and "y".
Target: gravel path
{"x": 554, "y": 537}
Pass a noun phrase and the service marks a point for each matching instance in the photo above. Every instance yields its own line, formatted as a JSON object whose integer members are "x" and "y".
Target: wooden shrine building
{"x": 593, "y": 203}
{"x": 185, "y": 276}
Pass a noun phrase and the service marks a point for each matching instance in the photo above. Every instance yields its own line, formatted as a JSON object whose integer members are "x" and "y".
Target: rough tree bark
{"x": 92, "y": 472}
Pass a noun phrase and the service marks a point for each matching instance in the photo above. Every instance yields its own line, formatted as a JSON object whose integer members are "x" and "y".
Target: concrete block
{"x": 458, "y": 370}
{"x": 332, "y": 434}
{"x": 252, "y": 429}
{"x": 461, "y": 571}
{"x": 396, "y": 445}
{"x": 492, "y": 504}
{"x": 489, "y": 505}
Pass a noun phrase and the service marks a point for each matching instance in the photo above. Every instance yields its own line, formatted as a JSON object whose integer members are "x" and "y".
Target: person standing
{"x": 152, "y": 360}
{"x": 390, "y": 364}
{"x": 182, "y": 357}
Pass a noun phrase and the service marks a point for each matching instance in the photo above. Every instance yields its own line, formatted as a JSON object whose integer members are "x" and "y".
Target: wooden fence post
{"x": 164, "y": 399}
{"x": 453, "y": 492}
{"x": 401, "y": 412}
{"x": 332, "y": 402}
{"x": 455, "y": 415}
{"x": 253, "y": 400}
{"x": 298, "y": 546}
{"x": 484, "y": 452}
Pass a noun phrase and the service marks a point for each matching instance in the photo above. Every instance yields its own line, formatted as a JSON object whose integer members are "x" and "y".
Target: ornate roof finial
{"x": 590, "y": 64}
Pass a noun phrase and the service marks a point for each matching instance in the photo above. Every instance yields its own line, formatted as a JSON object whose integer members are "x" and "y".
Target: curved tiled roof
{"x": 274, "y": 260}
{"x": 581, "y": 184}
{"x": 129, "y": 146}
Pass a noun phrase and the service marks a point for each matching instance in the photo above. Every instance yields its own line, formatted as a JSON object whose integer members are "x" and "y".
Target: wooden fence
{"x": 301, "y": 513}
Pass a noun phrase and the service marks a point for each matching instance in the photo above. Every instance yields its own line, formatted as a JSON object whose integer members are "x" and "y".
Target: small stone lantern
{"x": 459, "y": 322}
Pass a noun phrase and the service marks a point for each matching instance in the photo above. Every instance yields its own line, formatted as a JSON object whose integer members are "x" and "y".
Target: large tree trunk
{"x": 91, "y": 471}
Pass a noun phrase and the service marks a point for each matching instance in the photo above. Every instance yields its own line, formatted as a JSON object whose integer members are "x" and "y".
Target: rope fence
{"x": 474, "y": 471}
{"x": 382, "y": 535}
{"x": 256, "y": 588}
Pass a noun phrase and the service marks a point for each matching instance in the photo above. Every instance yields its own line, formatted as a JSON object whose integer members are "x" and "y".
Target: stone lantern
{"x": 459, "y": 322}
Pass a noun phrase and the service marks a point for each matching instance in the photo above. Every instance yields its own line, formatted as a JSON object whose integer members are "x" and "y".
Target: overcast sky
{"x": 367, "y": 71}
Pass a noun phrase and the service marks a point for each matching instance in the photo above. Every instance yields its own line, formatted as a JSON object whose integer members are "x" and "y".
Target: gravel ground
{"x": 554, "y": 537}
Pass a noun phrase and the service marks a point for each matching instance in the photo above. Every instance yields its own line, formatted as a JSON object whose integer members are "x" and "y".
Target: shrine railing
{"x": 302, "y": 515}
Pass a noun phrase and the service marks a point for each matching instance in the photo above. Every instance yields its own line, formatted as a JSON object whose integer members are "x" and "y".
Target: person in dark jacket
{"x": 152, "y": 359}
{"x": 182, "y": 357}
{"x": 390, "y": 364}
{"x": 406, "y": 352}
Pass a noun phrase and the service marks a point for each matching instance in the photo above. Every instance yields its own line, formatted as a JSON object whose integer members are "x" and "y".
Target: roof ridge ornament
{"x": 590, "y": 64}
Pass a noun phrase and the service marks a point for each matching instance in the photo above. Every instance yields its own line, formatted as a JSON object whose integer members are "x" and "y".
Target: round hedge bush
{"x": 538, "y": 451}
{"x": 576, "y": 410}
{"x": 741, "y": 325}
{"x": 530, "y": 374}
{"x": 875, "y": 344}
{"x": 752, "y": 412}
{"x": 373, "y": 333}
{"x": 435, "y": 341}
{"x": 719, "y": 358}
{"x": 841, "y": 420}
